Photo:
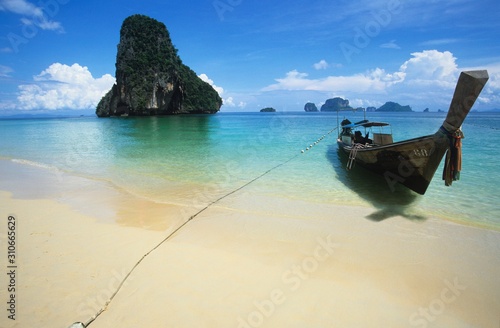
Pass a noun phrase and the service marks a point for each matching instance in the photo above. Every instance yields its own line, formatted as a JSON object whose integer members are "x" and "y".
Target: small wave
{"x": 35, "y": 164}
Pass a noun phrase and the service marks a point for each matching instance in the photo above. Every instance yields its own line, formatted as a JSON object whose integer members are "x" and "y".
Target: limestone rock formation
{"x": 310, "y": 107}
{"x": 393, "y": 107}
{"x": 336, "y": 104}
{"x": 151, "y": 78}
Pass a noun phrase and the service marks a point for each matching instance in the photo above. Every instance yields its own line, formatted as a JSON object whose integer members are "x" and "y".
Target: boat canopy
{"x": 364, "y": 123}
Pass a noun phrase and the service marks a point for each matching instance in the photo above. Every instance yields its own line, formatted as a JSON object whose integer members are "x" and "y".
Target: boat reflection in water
{"x": 389, "y": 202}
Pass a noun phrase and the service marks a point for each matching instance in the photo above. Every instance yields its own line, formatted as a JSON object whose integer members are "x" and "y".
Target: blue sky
{"x": 59, "y": 55}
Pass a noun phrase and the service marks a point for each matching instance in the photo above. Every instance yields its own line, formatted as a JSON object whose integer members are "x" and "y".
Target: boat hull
{"x": 411, "y": 163}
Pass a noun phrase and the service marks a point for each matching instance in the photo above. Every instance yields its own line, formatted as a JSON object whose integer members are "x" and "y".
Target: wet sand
{"x": 247, "y": 261}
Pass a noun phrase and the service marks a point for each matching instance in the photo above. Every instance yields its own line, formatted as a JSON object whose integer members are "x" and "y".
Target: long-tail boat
{"x": 413, "y": 162}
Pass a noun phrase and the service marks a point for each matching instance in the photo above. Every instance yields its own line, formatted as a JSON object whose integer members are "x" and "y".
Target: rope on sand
{"x": 104, "y": 308}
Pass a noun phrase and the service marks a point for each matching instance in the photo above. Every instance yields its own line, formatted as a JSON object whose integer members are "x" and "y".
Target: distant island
{"x": 340, "y": 104}
{"x": 151, "y": 78}
{"x": 393, "y": 107}
{"x": 268, "y": 110}
{"x": 336, "y": 104}
{"x": 310, "y": 107}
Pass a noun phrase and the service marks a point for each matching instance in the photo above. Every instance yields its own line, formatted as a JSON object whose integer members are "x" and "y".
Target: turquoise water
{"x": 194, "y": 160}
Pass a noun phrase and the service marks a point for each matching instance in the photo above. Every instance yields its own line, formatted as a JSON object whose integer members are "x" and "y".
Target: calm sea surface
{"x": 195, "y": 160}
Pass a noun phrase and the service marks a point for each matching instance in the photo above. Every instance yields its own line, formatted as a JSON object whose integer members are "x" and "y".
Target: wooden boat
{"x": 413, "y": 162}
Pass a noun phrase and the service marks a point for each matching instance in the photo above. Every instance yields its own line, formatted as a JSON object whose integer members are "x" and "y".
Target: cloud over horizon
{"x": 427, "y": 67}
{"x": 226, "y": 101}
{"x": 426, "y": 79}
{"x": 63, "y": 87}
{"x": 428, "y": 76}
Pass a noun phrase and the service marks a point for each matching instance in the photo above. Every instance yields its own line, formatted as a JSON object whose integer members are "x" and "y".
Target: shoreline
{"x": 106, "y": 213}
{"x": 248, "y": 260}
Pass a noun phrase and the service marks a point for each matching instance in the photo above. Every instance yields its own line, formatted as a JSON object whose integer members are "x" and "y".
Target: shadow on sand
{"x": 375, "y": 189}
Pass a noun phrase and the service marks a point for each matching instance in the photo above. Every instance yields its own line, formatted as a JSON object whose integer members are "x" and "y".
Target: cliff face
{"x": 151, "y": 78}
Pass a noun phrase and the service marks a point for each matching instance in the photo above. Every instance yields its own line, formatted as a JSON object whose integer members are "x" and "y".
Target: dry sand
{"x": 247, "y": 261}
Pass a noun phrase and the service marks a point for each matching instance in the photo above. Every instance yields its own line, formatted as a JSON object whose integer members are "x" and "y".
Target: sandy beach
{"x": 249, "y": 260}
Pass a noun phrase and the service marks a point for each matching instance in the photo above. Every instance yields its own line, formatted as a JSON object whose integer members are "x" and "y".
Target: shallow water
{"x": 194, "y": 160}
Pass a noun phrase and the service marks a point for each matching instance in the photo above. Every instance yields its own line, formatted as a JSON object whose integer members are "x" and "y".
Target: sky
{"x": 58, "y": 56}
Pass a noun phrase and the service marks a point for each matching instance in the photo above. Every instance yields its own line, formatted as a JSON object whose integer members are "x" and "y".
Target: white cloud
{"x": 322, "y": 64}
{"x": 20, "y": 7}
{"x": 426, "y": 79}
{"x": 64, "y": 87}
{"x": 5, "y": 71}
{"x": 205, "y": 78}
{"x": 491, "y": 94}
{"x": 33, "y": 15}
{"x": 229, "y": 102}
{"x": 390, "y": 45}
{"x": 373, "y": 81}
{"x": 43, "y": 23}
{"x": 364, "y": 103}
{"x": 431, "y": 65}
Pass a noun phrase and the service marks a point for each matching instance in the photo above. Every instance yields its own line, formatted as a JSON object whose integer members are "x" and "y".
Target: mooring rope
{"x": 104, "y": 308}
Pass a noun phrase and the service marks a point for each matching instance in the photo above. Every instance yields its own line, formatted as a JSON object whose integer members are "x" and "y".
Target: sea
{"x": 194, "y": 160}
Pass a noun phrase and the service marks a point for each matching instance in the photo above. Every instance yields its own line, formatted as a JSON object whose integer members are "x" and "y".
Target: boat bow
{"x": 469, "y": 86}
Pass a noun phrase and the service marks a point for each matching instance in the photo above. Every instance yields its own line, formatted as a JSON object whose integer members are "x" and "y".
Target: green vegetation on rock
{"x": 151, "y": 78}
{"x": 268, "y": 110}
{"x": 394, "y": 107}
{"x": 310, "y": 107}
{"x": 336, "y": 104}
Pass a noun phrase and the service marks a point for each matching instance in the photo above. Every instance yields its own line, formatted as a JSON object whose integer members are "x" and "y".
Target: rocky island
{"x": 151, "y": 78}
{"x": 310, "y": 107}
{"x": 336, "y": 104}
{"x": 341, "y": 104}
{"x": 393, "y": 107}
{"x": 268, "y": 110}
